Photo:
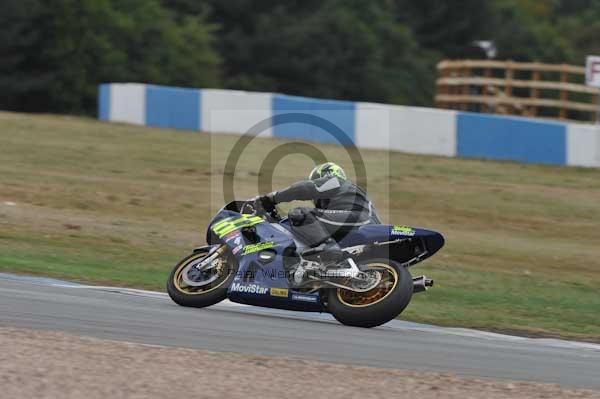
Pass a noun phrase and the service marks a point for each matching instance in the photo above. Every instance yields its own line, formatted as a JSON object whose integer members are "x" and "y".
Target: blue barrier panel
{"x": 515, "y": 139}
{"x": 173, "y": 107}
{"x": 339, "y": 113}
{"x": 104, "y": 102}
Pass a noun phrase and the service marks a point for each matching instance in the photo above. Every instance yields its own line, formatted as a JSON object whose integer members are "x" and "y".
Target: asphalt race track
{"x": 151, "y": 318}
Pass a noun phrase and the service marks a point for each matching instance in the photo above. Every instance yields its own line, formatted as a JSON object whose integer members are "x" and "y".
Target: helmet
{"x": 327, "y": 169}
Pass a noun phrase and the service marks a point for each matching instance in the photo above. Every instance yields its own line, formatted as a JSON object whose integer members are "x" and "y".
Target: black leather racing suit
{"x": 339, "y": 207}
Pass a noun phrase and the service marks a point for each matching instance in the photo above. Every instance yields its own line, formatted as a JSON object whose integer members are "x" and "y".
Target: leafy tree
{"x": 524, "y": 30}
{"x": 332, "y": 49}
{"x": 581, "y": 28}
{"x": 56, "y": 52}
{"x": 53, "y": 53}
{"x": 448, "y": 27}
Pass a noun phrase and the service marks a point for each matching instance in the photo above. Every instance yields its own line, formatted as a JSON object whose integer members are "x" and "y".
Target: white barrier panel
{"x": 128, "y": 103}
{"x": 372, "y": 125}
{"x": 583, "y": 145}
{"x": 231, "y": 111}
{"x": 408, "y": 129}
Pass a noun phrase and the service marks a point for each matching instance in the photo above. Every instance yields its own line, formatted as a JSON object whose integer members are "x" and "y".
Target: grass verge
{"x": 118, "y": 204}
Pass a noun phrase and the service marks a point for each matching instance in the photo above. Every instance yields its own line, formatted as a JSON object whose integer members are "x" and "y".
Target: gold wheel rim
{"x": 181, "y": 287}
{"x": 389, "y": 281}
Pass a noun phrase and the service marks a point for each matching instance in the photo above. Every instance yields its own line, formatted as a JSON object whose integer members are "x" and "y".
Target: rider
{"x": 340, "y": 206}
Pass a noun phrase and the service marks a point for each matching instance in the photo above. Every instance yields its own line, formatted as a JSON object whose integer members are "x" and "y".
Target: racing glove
{"x": 266, "y": 202}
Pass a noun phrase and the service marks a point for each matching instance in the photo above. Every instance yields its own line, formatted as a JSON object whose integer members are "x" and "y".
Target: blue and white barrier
{"x": 218, "y": 106}
{"x": 583, "y": 145}
{"x": 406, "y": 129}
{"x": 122, "y": 102}
{"x": 368, "y": 125}
{"x": 507, "y": 138}
{"x": 340, "y": 113}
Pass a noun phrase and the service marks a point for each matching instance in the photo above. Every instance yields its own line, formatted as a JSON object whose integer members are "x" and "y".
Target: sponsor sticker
{"x": 281, "y": 292}
{"x": 403, "y": 231}
{"x": 230, "y": 224}
{"x": 249, "y": 288}
{"x": 304, "y": 298}
{"x": 250, "y": 249}
{"x": 235, "y": 236}
{"x": 237, "y": 249}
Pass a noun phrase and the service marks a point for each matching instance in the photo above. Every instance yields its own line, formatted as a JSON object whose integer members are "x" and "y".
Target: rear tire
{"x": 373, "y": 308}
{"x": 209, "y": 295}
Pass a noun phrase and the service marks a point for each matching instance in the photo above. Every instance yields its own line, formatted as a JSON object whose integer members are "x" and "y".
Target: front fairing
{"x": 264, "y": 230}
{"x": 211, "y": 236}
{"x": 262, "y": 251}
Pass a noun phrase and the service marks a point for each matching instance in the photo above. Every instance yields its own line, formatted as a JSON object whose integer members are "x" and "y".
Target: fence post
{"x": 487, "y": 72}
{"x": 534, "y": 92}
{"x": 465, "y": 88}
{"x": 439, "y": 87}
{"x": 563, "y": 93}
{"x": 596, "y": 115}
{"x": 508, "y": 77}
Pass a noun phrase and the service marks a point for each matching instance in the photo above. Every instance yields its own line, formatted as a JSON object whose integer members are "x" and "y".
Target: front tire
{"x": 206, "y": 295}
{"x": 378, "y": 305}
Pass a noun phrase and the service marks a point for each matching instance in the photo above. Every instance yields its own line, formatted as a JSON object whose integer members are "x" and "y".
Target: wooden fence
{"x": 517, "y": 88}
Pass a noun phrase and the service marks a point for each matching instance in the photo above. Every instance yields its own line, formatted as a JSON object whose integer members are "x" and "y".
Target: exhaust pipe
{"x": 421, "y": 283}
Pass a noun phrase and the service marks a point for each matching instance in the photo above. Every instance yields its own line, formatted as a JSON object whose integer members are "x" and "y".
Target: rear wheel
{"x": 188, "y": 286}
{"x": 378, "y": 305}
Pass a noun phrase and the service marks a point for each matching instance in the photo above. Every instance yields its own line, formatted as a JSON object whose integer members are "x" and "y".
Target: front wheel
{"x": 380, "y": 304}
{"x": 188, "y": 286}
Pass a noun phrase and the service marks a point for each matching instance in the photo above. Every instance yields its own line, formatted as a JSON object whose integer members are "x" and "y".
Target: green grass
{"x": 117, "y": 204}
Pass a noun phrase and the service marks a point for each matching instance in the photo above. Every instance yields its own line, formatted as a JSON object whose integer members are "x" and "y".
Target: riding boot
{"x": 327, "y": 253}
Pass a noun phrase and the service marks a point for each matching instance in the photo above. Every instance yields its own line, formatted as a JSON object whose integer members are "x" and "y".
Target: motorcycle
{"x": 253, "y": 258}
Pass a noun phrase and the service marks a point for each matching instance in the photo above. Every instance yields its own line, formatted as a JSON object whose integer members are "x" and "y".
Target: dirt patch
{"x": 56, "y": 365}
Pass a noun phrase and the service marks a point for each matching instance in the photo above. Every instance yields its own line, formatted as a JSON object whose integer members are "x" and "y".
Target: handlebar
{"x": 271, "y": 216}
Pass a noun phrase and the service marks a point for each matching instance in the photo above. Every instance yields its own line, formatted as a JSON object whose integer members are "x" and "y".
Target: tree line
{"x": 54, "y": 53}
